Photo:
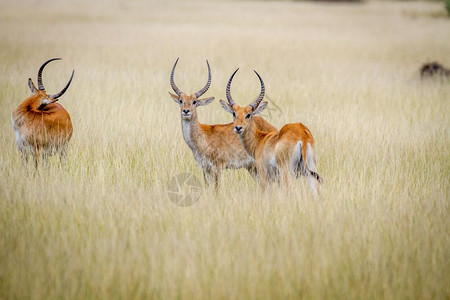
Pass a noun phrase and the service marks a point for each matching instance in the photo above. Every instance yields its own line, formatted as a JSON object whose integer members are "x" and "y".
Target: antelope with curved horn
{"x": 279, "y": 155}
{"x": 215, "y": 147}
{"x": 42, "y": 126}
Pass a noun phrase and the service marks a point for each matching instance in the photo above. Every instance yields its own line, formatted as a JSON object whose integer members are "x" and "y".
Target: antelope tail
{"x": 309, "y": 162}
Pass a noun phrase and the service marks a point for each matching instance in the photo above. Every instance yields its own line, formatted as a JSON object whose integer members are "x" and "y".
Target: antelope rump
{"x": 42, "y": 126}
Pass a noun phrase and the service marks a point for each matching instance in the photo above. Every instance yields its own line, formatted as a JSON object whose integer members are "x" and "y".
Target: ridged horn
{"x": 256, "y": 103}
{"x": 208, "y": 83}
{"x": 172, "y": 82}
{"x": 39, "y": 77}
{"x": 56, "y": 96}
{"x": 229, "y": 98}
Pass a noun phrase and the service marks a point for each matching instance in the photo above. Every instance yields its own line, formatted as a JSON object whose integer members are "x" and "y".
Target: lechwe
{"x": 215, "y": 147}
{"x": 279, "y": 155}
{"x": 41, "y": 125}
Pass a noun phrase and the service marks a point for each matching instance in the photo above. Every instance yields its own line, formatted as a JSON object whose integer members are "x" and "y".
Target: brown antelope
{"x": 288, "y": 152}
{"x": 434, "y": 69}
{"x": 41, "y": 125}
{"x": 215, "y": 147}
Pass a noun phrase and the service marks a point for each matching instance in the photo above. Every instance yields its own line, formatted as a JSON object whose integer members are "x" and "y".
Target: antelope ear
{"x": 31, "y": 85}
{"x": 226, "y": 106}
{"x": 175, "y": 97}
{"x": 204, "y": 101}
{"x": 260, "y": 108}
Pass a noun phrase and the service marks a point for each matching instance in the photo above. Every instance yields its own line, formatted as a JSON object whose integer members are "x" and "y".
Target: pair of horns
{"x": 41, "y": 85}
{"x": 255, "y": 103}
{"x": 197, "y": 94}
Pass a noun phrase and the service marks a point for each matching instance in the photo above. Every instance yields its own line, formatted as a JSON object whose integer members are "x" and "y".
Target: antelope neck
{"x": 250, "y": 139}
{"x": 191, "y": 131}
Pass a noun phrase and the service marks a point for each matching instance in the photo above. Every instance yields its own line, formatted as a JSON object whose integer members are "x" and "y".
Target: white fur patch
{"x": 273, "y": 162}
{"x": 186, "y": 128}
{"x": 22, "y": 144}
{"x": 310, "y": 158}
{"x": 296, "y": 158}
{"x": 272, "y": 168}
{"x": 46, "y": 101}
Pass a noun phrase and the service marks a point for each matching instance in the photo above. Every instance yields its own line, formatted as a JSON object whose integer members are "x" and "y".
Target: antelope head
{"x": 40, "y": 94}
{"x": 189, "y": 103}
{"x": 243, "y": 115}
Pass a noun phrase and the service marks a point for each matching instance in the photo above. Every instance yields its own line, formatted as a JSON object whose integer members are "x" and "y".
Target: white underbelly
{"x": 206, "y": 162}
{"x": 241, "y": 163}
{"x": 202, "y": 161}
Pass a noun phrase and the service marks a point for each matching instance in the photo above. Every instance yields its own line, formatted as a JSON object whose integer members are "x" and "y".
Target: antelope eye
{"x": 195, "y": 102}
{"x": 247, "y": 116}
{"x": 181, "y": 101}
{"x": 234, "y": 114}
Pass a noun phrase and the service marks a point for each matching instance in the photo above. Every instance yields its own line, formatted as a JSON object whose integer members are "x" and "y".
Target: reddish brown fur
{"x": 215, "y": 147}
{"x": 276, "y": 153}
{"x": 284, "y": 139}
{"x": 278, "y": 145}
{"x": 224, "y": 145}
{"x": 41, "y": 131}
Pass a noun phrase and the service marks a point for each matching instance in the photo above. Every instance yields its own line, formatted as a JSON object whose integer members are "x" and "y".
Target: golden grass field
{"x": 103, "y": 226}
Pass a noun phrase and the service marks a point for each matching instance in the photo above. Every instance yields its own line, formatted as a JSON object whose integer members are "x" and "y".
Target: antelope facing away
{"x": 41, "y": 125}
{"x": 279, "y": 155}
{"x": 215, "y": 147}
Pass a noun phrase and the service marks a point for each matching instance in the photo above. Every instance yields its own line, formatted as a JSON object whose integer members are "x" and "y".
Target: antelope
{"x": 434, "y": 69}
{"x": 42, "y": 126}
{"x": 279, "y": 155}
{"x": 215, "y": 147}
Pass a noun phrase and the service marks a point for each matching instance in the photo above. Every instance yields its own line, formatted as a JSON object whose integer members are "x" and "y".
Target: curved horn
{"x": 256, "y": 103}
{"x": 229, "y": 98}
{"x": 56, "y": 96}
{"x": 208, "y": 83}
{"x": 39, "y": 77}
{"x": 172, "y": 83}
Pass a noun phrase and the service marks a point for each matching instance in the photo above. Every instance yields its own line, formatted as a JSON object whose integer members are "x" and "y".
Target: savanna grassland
{"x": 102, "y": 226}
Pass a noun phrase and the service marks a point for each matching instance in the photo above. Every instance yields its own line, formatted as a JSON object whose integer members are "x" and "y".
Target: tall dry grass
{"x": 103, "y": 227}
